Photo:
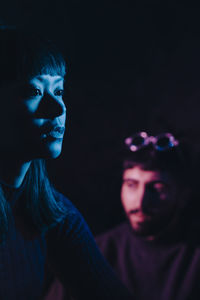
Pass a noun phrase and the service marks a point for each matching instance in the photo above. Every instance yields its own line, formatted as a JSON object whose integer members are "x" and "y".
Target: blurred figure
{"x": 156, "y": 251}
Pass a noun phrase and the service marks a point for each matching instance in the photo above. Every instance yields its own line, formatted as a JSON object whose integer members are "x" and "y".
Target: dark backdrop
{"x": 116, "y": 54}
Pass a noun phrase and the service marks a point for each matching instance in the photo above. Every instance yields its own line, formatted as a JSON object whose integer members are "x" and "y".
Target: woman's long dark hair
{"x": 41, "y": 207}
{"x": 41, "y": 203}
{"x": 24, "y": 56}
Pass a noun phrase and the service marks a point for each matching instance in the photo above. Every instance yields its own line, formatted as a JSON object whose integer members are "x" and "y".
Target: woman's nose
{"x": 51, "y": 107}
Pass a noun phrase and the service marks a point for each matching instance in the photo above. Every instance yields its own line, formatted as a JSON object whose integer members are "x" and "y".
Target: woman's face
{"x": 32, "y": 118}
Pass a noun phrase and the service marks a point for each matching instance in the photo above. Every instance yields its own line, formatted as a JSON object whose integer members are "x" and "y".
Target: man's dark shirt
{"x": 154, "y": 270}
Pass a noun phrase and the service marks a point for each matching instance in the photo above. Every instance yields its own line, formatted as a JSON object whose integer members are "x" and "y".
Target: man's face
{"x": 148, "y": 198}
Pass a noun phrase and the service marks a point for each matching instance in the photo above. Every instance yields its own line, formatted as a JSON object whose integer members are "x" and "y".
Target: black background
{"x": 116, "y": 53}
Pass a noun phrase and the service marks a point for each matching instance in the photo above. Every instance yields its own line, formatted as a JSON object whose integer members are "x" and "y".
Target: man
{"x": 156, "y": 252}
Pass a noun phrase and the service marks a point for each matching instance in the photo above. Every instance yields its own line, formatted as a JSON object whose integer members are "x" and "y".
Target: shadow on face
{"x": 148, "y": 198}
{"x": 32, "y": 117}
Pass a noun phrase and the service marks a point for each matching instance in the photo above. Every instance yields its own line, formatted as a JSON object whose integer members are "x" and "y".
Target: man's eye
{"x": 161, "y": 188}
{"x": 130, "y": 184}
{"x": 59, "y": 92}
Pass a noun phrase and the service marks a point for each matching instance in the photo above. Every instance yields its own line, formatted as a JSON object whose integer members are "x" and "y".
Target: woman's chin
{"x": 50, "y": 150}
{"x": 47, "y": 150}
{"x": 52, "y": 155}
{"x": 54, "y": 150}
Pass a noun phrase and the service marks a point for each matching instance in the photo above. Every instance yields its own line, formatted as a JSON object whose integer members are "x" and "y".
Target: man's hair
{"x": 173, "y": 161}
{"x": 23, "y": 56}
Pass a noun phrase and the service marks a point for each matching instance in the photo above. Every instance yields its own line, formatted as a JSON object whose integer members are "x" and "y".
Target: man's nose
{"x": 51, "y": 107}
{"x": 149, "y": 202}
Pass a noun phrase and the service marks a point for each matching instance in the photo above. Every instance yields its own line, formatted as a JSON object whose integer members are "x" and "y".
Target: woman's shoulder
{"x": 73, "y": 221}
{"x": 64, "y": 200}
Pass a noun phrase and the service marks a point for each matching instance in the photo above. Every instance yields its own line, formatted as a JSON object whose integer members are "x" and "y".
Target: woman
{"x": 42, "y": 234}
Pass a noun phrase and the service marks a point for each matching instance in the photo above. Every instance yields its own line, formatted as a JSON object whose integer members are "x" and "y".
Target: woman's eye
{"x": 32, "y": 92}
{"x": 36, "y": 92}
{"x": 59, "y": 92}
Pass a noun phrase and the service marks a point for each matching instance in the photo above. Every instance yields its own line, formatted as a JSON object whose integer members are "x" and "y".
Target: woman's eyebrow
{"x": 59, "y": 79}
{"x": 40, "y": 78}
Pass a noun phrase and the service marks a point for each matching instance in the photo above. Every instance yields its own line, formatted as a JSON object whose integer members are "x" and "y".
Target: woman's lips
{"x": 56, "y": 132}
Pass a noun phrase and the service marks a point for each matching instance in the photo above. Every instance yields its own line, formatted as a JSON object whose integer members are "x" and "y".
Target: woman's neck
{"x": 12, "y": 173}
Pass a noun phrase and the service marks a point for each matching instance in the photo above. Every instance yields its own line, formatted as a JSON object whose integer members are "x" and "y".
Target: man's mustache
{"x": 134, "y": 211}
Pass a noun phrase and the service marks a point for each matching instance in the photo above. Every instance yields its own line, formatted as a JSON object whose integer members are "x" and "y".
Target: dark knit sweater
{"x": 29, "y": 262}
{"x": 154, "y": 270}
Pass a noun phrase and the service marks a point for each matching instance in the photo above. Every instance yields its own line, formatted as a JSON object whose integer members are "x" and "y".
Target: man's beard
{"x": 151, "y": 228}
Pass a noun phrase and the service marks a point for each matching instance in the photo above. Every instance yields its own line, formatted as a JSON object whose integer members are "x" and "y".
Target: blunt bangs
{"x": 43, "y": 59}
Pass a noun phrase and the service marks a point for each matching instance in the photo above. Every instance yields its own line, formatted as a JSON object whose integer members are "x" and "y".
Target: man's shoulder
{"x": 113, "y": 242}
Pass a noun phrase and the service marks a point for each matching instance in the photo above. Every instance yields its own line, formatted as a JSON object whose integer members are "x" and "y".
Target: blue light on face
{"x": 48, "y": 112}
{"x": 32, "y": 117}
{"x": 42, "y": 116}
